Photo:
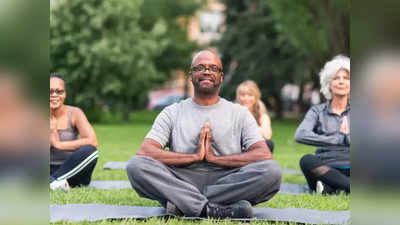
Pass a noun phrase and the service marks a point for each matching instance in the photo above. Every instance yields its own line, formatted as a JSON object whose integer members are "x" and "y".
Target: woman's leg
{"x": 314, "y": 169}
{"x": 307, "y": 164}
{"x": 78, "y": 167}
{"x": 53, "y": 169}
{"x": 83, "y": 177}
{"x": 270, "y": 145}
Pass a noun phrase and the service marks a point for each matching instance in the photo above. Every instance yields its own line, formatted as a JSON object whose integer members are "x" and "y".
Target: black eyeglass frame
{"x": 203, "y": 68}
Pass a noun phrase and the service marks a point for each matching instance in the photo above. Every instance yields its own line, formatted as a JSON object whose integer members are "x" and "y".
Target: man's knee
{"x": 137, "y": 166}
{"x": 269, "y": 172}
{"x": 274, "y": 171}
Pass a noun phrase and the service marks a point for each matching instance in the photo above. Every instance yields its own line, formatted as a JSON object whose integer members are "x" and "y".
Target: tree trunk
{"x": 278, "y": 106}
{"x": 126, "y": 109}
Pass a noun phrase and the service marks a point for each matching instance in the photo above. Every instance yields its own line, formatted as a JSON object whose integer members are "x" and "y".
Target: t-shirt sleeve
{"x": 250, "y": 131}
{"x": 162, "y": 126}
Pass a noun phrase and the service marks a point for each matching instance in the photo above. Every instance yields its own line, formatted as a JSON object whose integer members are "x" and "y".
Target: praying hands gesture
{"x": 204, "y": 149}
{"x": 258, "y": 151}
{"x": 344, "y": 128}
{"x": 54, "y": 138}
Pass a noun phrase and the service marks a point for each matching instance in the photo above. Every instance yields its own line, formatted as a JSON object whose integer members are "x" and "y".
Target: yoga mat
{"x": 294, "y": 189}
{"x": 291, "y": 171}
{"x": 114, "y": 165}
{"x": 122, "y": 166}
{"x": 95, "y": 212}
{"x": 110, "y": 184}
{"x": 122, "y": 184}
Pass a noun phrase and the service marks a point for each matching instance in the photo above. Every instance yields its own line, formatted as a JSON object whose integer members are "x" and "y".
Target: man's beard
{"x": 205, "y": 90}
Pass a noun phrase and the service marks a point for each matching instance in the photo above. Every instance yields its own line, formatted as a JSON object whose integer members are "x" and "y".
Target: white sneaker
{"x": 60, "y": 184}
{"x": 320, "y": 187}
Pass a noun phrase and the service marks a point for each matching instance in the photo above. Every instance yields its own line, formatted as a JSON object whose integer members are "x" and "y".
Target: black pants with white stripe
{"x": 77, "y": 168}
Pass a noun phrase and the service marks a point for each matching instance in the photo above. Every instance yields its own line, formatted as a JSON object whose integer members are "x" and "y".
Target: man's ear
{"x": 222, "y": 77}
{"x": 190, "y": 75}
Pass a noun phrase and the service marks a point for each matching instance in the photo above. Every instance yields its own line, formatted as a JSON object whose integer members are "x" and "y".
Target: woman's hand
{"x": 54, "y": 138}
{"x": 53, "y": 123}
{"x": 344, "y": 128}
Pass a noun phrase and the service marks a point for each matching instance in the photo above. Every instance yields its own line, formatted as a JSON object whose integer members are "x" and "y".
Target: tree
{"x": 276, "y": 42}
{"x": 110, "y": 51}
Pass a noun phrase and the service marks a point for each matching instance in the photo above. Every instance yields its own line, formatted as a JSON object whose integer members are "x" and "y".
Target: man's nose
{"x": 205, "y": 72}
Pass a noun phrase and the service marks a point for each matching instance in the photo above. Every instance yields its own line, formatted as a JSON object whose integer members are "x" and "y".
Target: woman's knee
{"x": 89, "y": 148}
{"x": 86, "y": 150}
{"x": 270, "y": 145}
{"x": 309, "y": 162}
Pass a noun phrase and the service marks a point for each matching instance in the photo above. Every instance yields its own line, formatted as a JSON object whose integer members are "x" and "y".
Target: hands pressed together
{"x": 344, "y": 128}
{"x": 204, "y": 149}
{"x": 53, "y": 131}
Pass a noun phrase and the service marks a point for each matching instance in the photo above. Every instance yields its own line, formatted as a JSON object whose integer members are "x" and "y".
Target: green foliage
{"x": 276, "y": 42}
{"x": 317, "y": 30}
{"x": 176, "y": 15}
{"x": 111, "y": 51}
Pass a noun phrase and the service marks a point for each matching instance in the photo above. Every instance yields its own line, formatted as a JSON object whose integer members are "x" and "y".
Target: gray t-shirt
{"x": 232, "y": 127}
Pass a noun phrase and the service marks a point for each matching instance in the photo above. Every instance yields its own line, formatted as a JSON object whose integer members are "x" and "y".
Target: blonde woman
{"x": 248, "y": 94}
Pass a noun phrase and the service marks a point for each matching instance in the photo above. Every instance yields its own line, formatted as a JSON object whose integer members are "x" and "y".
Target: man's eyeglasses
{"x": 203, "y": 68}
{"x": 56, "y": 91}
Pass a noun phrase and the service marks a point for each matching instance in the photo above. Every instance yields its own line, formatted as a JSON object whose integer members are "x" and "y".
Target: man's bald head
{"x": 206, "y": 55}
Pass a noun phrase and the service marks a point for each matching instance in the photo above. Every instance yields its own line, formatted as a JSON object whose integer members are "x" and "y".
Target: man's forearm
{"x": 167, "y": 157}
{"x": 242, "y": 159}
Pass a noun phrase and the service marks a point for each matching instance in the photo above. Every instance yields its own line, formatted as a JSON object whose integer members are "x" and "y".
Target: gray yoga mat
{"x": 122, "y": 166}
{"x": 122, "y": 184}
{"x": 95, "y": 212}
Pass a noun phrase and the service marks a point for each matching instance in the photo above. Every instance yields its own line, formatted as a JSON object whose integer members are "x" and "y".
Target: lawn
{"x": 119, "y": 141}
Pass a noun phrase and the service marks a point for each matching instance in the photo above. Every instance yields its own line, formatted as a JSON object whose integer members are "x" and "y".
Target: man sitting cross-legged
{"x": 205, "y": 172}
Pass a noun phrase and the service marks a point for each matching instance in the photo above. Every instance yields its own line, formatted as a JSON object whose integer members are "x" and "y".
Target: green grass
{"x": 119, "y": 141}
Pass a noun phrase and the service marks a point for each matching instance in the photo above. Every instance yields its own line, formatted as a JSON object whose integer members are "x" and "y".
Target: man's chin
{"x": 208, "y": 91}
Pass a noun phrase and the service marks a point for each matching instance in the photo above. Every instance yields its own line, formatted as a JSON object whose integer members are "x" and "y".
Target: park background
{"x": 124, "y": 60}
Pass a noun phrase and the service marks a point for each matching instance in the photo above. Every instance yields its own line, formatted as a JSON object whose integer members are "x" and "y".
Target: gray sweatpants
{"x": 190, "y": 188}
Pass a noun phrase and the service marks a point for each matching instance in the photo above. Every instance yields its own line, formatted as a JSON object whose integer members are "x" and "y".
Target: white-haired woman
{"x": 327, "y": 126}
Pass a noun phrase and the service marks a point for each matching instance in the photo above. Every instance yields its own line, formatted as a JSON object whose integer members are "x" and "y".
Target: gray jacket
{"x": 321, "y": 128}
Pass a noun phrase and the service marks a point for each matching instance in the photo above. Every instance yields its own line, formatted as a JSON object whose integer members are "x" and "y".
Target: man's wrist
{"x": 211, "y": 157}
{"x": 197, "y": 157}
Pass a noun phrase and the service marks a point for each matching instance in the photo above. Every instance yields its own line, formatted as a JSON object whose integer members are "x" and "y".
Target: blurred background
{"x": 24, "y": 68}
{"x": 125, "y": 55}
{"x": 121, "y": 56}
